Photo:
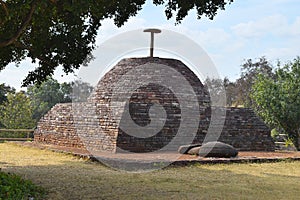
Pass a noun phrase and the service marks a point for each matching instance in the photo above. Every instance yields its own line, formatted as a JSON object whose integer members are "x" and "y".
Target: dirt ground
{"x": 173, "y": 156}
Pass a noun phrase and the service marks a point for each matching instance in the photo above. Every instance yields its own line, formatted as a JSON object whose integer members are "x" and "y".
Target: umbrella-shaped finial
{"x": 152, "y": 31}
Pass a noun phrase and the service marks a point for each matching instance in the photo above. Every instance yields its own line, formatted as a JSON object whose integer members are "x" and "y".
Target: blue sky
{"x": 246, "y": 29}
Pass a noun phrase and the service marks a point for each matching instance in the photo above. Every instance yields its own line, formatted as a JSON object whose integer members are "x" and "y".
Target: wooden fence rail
{"x": 28, "y": 131}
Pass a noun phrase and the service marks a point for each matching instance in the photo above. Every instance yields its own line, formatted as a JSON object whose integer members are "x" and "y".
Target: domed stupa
{"x": 148, "y": 104}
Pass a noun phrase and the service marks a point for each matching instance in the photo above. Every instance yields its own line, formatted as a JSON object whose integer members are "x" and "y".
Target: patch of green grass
{"x": 68, "y": 177}
{"x": 15, "y": 188}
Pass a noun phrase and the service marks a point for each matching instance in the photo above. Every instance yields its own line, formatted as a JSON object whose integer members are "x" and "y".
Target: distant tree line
{"x": 24, "y": 109}
{"x": 238, "y": 91}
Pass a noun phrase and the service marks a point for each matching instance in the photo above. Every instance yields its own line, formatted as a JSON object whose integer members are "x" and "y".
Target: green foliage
{"x": 250, "y": 71}
{"x": 277, "y": 99}
{"x": 216, "y": 89}
{"x": 63, "y": 32}
{"x": 274, "y": 133}
{"x": 288, "y": 142}
{"x": 231, "y": 92}
{"x": 80, "y": 91}
{"x": 17, "y": 112}
{"x": 46, "y": 95}
{"x": 10, "y": 134}
{"x": 238, "y": 92}
{"x": 51, "y": 92}
{"x": 4, "y": 90}
{"x": 13, "y": 187}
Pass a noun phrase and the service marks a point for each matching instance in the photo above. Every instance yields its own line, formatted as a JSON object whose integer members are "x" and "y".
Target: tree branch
{"x": 20, "y": 45}
{"x": 4, "y": 7}
{"x": 21, "y": 29}
{"x": 3, "y": 4}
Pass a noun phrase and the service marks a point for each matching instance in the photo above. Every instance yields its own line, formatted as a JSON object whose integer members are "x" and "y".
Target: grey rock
{"x": 185, "y": 148}
{"x": 217, "y": 150}
{"x": 194, "y": 150}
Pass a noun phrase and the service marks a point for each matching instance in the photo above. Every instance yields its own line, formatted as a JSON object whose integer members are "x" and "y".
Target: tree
{"x": 46, "y": 95}
{"x": 63, "y": 32}
{"x": 216, "y": 86}
{"x": 80, "y": 91}
{"x": 277, "y": 99}
{"x": 4, "y": 90}
{"x": 231, "y": 93}
{"x": 51, "y": 92}
{"x": 17, "y": 112}
{"x": 250, "y": 71}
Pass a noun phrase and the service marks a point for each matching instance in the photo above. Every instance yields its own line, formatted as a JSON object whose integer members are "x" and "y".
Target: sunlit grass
{"x": 67, "y": 177}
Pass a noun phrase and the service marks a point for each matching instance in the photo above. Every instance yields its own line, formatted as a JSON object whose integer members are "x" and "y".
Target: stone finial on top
{"x": 152, "y": 31}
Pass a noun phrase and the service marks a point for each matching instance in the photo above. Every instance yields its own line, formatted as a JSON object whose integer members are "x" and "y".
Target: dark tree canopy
{"x": 63, "y": 32}
{"x": 4, "y": 91}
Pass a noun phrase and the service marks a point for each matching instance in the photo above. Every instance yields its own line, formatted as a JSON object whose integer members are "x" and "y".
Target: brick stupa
{"x": 92, "y": 124}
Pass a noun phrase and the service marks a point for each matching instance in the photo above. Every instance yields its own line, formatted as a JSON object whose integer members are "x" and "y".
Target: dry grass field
{"x": 68, "y": 177}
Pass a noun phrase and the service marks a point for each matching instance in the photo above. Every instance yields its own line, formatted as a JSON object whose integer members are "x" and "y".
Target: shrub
{"x": 13, "y": 187}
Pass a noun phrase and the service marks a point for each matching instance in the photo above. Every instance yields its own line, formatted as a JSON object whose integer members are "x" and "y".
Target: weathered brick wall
{"x": 99, "y": 128}
{"x": 97, "y": 133}
{"x": 57, "y": 128}
{"x": 74, "y": 125}
{"x": 141, "y": 101}
{"x": 243, "y": 129}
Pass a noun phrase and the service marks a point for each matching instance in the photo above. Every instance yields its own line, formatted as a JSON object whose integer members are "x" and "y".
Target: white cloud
{"x": 275, "y": 24}
{"x": 13, "y": 76}
{"x": 213, "y": 36}
{"x": 282, "y": 53}
{"x": 284, "y": 1}
{"x": 208, "y": 39}
{"x": 295, "y": 27}
{"x": 108, "y": 29}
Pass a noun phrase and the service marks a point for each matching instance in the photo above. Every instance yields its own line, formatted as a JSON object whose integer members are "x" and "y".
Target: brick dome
{"x": 140, "y": 102}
